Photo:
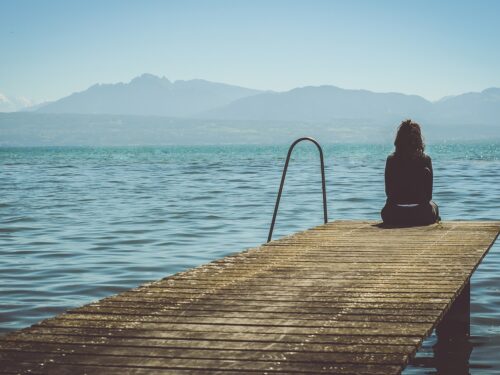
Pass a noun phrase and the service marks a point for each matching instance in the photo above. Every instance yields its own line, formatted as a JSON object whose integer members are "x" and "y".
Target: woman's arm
{"x": 430, "y": 182}
{"x": 427, "y": 179}
{"x": 389, "y": 178}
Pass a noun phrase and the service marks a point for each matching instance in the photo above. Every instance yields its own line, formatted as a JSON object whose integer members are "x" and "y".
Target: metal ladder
{"x": 323, "y": 185}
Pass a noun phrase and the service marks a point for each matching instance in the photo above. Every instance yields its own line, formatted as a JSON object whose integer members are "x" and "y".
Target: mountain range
{"x": 151, "y": 110}
{"x": 149, "y": 95}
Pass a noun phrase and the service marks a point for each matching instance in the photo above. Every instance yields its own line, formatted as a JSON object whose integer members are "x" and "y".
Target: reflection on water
{"x": 78, "y": 224}
{"x": 451, "y": 352}
{"x": 446, "y": 358}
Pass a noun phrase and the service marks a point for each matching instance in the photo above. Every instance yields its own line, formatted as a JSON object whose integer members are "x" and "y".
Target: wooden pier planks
{"x": 348, "y": 297}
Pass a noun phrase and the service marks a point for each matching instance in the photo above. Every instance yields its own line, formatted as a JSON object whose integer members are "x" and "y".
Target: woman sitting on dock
{"x": 408, "y": 180}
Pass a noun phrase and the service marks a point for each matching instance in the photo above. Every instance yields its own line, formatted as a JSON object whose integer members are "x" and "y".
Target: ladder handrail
{"x": 323, "y": 184}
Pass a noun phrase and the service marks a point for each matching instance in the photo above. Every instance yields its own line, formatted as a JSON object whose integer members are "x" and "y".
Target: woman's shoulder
{"x": 426, "y": 159}
{"x": 422, "y": 159}
{"x": 391, "y": 158}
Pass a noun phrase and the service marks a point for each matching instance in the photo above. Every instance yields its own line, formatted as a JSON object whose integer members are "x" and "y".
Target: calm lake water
{"x": 78, "y": 224}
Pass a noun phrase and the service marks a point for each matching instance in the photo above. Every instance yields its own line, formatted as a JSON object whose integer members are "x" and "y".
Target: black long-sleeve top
{"x": 408, "y": 180}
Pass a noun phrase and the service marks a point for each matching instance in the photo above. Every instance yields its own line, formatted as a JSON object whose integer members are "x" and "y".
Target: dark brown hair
{"x": 409, "y": 140}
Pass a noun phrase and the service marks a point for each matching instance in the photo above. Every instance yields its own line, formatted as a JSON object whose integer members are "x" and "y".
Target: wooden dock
{"x": 348, "y": 297}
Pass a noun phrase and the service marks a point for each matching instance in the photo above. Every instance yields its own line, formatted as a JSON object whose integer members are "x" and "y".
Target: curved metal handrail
{"x": 323, "y": 184}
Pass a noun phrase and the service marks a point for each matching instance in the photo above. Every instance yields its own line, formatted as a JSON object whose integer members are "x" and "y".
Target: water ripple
{"x": 80, "y": 224}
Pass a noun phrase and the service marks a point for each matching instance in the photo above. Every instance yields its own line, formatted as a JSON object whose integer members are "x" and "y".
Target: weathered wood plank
{"x": 346, "y": 298}
{"x": 99, "y": 334}
{"x": 222, "y": 368}
{"x": 62, "y": 344}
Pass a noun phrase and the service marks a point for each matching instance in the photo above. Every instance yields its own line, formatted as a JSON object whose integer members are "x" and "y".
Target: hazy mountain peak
{"x": 491, "y": 91}
{"x": 147, "y": 76}
{"x": 323, "y": 103}
{"x": 12, "y": 104}
{"x": 149, "y": 79}
{"x": 148, "y": 94}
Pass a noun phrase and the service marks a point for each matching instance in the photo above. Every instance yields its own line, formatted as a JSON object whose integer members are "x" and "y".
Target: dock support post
{"x": 453, "y": 349}
{"x": 456, "y": 322}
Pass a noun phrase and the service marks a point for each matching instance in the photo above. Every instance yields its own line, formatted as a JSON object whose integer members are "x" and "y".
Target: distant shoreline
{"x": 33, "y": 129}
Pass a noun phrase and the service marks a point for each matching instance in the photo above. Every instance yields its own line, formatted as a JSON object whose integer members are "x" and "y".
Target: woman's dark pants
{"x": 422, "y": 214}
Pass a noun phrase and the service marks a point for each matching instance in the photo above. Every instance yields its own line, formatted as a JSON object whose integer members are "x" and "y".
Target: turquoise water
{"x": 78, "y": 224}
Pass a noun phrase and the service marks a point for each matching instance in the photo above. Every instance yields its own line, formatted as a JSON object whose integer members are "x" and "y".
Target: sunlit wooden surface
{"x": 348, "y": 297}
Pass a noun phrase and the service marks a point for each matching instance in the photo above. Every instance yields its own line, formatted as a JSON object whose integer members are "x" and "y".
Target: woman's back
{"x": 408, "y": 180}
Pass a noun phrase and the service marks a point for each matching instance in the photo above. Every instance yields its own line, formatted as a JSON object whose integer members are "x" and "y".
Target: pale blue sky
{"x": 49, "y": 49}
